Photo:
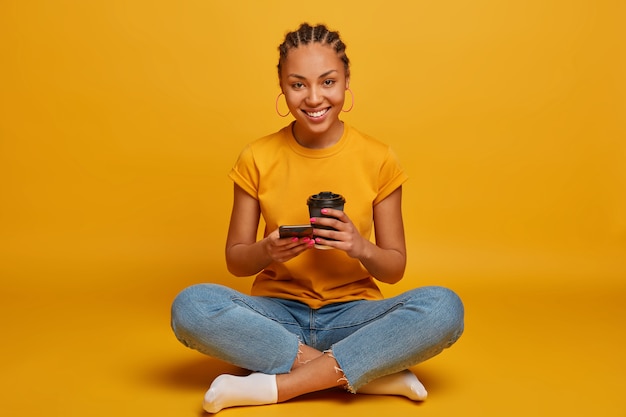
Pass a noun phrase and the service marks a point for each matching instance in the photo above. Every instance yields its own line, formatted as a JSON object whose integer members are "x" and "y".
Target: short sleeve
{"x": 391, "y": 176}
{"x": 245, "y": 173}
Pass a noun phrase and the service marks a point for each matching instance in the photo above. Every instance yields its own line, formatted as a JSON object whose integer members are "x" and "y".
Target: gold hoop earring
{"x": 278, "y": 111}
{"x": 352, "y": 104}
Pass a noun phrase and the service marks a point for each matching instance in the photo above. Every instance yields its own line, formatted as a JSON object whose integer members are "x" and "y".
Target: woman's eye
{"x": 297, "y": 86}
{"x": 328, "y": 83}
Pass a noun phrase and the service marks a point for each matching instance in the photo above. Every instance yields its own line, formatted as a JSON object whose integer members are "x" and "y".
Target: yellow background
{"x": 119, "y": 121}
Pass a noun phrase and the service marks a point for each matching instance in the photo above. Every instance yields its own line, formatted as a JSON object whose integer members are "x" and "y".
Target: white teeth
{"x": 317, "y": 113}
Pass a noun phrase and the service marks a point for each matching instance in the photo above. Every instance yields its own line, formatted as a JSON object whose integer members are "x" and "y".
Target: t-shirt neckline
{"x": 317, "y": 153}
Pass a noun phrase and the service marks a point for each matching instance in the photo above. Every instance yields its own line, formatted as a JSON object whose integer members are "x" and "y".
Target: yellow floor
{"x": 85, "y": 350}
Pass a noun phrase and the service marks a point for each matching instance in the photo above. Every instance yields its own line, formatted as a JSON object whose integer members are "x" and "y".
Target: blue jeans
{"x": 368, "y": 339}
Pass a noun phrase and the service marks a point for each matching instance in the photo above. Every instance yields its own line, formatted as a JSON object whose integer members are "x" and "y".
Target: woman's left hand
{"x": 345, "y": 237}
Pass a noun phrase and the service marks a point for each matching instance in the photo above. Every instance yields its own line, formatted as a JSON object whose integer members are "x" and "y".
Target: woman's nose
{"x": 315, "y": 96}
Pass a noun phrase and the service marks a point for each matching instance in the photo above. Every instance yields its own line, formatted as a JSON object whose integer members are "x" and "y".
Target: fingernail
{"x": 324, "y": 211}
{"x": 312, "y": 219}
{"x": 294, "y": 239}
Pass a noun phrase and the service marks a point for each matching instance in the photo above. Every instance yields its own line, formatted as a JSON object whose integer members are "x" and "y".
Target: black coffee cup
{"x": 324, "y": 199}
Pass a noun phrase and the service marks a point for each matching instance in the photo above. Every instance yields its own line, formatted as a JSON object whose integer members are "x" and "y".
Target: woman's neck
{"x": 314, "y": 140}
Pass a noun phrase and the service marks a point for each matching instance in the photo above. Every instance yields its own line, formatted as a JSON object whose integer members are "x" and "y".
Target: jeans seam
{"x": 251, "y": 307}
{"x": 389, "y": 310}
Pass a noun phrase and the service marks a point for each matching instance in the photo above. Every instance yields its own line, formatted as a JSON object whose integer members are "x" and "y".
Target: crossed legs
{"x": 428, "y": 319}
{"x": 312, "y": 371}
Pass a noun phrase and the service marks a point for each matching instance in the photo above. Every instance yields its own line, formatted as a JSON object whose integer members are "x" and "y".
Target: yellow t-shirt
{"x": 281, "y": 175}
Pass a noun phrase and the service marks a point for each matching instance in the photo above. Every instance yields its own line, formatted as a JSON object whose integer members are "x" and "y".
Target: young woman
{"x": 316, "y": 318}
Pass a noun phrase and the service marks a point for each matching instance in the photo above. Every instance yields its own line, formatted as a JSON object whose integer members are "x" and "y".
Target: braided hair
{"x": 306, "y": 35}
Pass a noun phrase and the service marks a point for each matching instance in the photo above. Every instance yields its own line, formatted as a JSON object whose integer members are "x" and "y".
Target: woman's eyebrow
{"x": 327, "y": 73}
{"x": 302, "y": 77}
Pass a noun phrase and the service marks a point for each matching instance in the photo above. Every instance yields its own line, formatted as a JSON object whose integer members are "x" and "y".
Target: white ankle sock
{"x": 401, "y": 383}
{"x": 231, "y": 391}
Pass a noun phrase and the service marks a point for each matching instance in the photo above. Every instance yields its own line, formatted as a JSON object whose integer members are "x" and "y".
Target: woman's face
{"x": 314, "y": 81}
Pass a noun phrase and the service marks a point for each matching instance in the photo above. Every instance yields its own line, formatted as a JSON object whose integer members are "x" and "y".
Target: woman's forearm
{"x": 386, "y": 265}
{"x": 244, "y": 260}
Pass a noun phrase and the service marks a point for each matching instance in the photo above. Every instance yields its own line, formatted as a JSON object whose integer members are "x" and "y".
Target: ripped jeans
{"x": 368, "y": 339}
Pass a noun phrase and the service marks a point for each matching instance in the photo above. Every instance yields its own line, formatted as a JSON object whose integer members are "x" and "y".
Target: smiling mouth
{"x": 316, "y": 114}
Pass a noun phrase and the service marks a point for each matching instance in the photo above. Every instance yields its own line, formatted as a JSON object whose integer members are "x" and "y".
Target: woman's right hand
{"x": 282, "y": 250}
{"x": 245, "y": 255}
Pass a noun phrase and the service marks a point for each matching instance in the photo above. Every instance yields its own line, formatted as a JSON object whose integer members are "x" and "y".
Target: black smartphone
{"x": 300, "y": 230}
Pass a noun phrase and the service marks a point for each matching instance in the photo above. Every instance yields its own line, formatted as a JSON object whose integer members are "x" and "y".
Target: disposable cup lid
{"x": 326, "y": 199}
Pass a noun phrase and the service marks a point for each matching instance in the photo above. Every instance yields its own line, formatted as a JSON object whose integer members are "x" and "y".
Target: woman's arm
{"x": 385, "y": 260}
{"x": 245, "y": 256}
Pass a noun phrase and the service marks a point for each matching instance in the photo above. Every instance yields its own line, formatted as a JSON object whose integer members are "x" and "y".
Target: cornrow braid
{"x": 307, "y": 34}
